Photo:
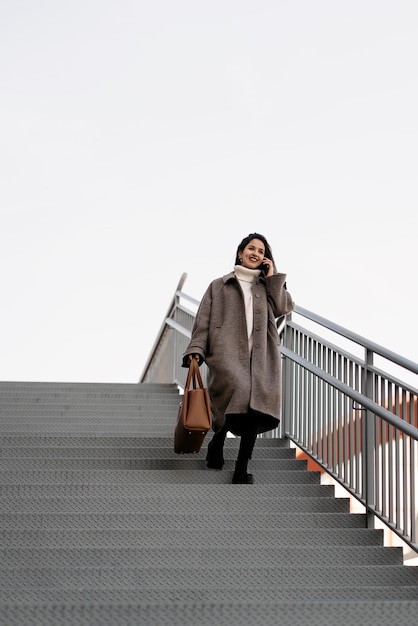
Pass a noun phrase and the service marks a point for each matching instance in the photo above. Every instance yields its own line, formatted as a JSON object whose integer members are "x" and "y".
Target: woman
{"x": 235, "y": 334}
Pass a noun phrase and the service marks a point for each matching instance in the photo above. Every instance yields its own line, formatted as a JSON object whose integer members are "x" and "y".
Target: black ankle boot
{"x": 241, "y": 476}
{"x": 214, "y": 458}
{"x": 242, "y": 479}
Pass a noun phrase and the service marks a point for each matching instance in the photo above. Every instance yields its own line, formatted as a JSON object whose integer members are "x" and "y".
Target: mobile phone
{"x": 264, "y": 268}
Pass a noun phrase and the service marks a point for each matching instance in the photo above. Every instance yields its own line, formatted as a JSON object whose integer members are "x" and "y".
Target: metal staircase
{"x": 102, "y": 524}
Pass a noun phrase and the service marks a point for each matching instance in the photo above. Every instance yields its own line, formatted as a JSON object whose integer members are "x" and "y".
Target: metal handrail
{"x": 356, "y": 421}
{"x": 376, "y": 409}
{"x": 171, "y": 309}
{"x": 366, "y": 343}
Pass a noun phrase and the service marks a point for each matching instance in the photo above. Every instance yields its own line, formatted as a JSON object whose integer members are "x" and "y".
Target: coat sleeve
{"x": 278, "y": 296}
{"x": 200, "y": 332}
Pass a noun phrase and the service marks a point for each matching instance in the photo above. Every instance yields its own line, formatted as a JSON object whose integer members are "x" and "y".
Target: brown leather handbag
{"x": 194, "y": 417}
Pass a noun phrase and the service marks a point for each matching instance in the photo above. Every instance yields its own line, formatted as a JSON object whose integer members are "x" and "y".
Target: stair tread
{"x": 177, "y": 577}
{"x": 167, "y": 556}
{"x": 155, "y": 476}
{"x": 102, "y": 523}
{"x": 303, "y": 613}
{"x": 231, "y": 592}
{"x": 105, "y": 520}
{"x": 155, "y": 529}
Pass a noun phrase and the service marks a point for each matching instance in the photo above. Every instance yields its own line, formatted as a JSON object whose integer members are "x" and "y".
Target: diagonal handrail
{"x": 358, "y": 422}
{"x": 359, "y": 339}
{"x": 360, "y": 398}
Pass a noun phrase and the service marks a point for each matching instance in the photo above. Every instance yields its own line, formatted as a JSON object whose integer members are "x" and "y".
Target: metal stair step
{"x": 230, "y": 593}
{"x": 165, "y": 530}
{"x": 132, "y": 454}
{"x": 169, "y": 462}
{"x": 145, "y": 412}
{"x": 48, "y": 400}
{"x": 77, "y": 403}
{"x": 94, "y": 428}
{"x": 214, "y": 492}
{"x": 64, "y": 440}
{"x": 174, "y": 505}
{"x": 18, "y": 387}
{"x": 139, "y": 477}
{"x": 193, "y": 575}
{"x": 166, "y": 537}
{"x": 202, "y": 556}
{"x": 146, "y": 418}
{"x": 349, "y": 613}
{"x": 132, "y": 521}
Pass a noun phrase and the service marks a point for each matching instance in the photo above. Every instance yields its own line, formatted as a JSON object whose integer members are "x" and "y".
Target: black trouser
{"x": 247, "y": 427}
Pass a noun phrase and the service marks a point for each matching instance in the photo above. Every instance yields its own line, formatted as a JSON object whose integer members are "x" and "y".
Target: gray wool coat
{"x": 237, "y": 384}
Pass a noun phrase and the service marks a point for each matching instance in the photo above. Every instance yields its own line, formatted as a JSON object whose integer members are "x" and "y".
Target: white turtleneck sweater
{"x": 245, "y": 277}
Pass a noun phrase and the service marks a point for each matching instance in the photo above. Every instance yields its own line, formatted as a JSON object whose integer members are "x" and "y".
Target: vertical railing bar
{"x": 377, "y": 454}
{"x": 397, "y": 463}
{"x": 368, "y": 444}
{"x": 359, "y": 416}
{"x": 300, "y": 386}
{"x": 319, "y": 405}
{"x": 340, "y": 412}
{"x": 310, "y": 417}
{"x": 334, "y": 415}
{"x": 314, "y": 401}
{"x": 330, "y": 451}
{"x": 390, "y": 457}
{"x": 384, "y": 506}
{"x": 347, "y": 476}
{"x": 324, "y": 413}
{"x": 290, "y": 368}
{"x": 304, "y": 424}
{"x": 414, "y": 515}
{"x": 406, "y": 467}
{"x": 351, "y": 418}
{"x": 293, "y": 391}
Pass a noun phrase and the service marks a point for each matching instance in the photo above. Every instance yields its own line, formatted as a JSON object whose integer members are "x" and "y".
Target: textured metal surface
{"x": 372, "y": 613}
{"x": 230, "y": 593}
{"x": 16, "y": 453}
{"x": 213, "y": 493}
{"x": 173, "y": 463}
{"x": 134, "y": 520}
{"x": 195, "y": 575}
{"x": 101, "y": 523}
{"x": 170, "y": 505}
{"x": 157, "y": 530}
{"x": 168, "y": 556}
{"x": 175, "y": 477}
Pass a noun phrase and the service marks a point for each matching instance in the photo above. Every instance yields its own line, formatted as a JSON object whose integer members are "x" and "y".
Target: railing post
{"x": 369, "y": 442}
{"x": 286, "y": 381}
{"x": 176, "y": 359}
{"x": 414, "y": 492}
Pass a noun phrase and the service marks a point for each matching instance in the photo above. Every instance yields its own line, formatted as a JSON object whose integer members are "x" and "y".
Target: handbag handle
{"x": 193, "y": 376}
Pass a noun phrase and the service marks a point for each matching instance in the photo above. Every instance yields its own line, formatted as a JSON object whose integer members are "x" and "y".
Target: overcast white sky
{"x": 143, "y": 139}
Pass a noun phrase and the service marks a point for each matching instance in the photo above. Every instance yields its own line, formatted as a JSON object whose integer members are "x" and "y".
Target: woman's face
{"x": 253, "y": 254}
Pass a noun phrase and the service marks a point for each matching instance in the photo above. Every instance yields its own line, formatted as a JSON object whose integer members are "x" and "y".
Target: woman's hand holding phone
{"x": 267, "y": 267}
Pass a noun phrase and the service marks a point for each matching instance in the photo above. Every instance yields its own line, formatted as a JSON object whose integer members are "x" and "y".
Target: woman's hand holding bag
{"x": 194, "y": 418}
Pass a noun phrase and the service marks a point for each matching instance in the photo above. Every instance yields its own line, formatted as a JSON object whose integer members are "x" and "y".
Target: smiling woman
{"x": 254, "y": 253}
{"x": 235, "y": 334}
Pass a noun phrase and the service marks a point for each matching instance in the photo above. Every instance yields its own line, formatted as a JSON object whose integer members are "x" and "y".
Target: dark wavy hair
{"x": 244, "y": 243}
